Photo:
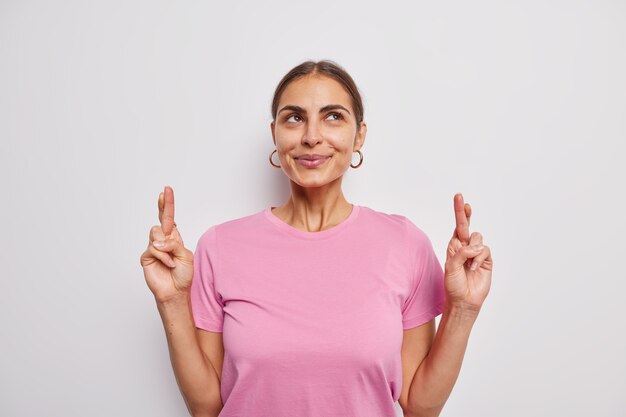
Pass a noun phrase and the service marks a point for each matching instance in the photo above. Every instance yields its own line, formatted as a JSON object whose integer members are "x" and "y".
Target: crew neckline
{"x": 294, "y": 231}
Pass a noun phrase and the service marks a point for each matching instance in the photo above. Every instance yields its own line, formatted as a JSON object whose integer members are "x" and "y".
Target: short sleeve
{"x": 206, "y": 304}
{"x": 427, "y": 293}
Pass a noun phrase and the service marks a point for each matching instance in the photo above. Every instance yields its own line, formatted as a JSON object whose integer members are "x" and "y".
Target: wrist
{"x": 181, "y": 299}
{"x": 460, "y": 309}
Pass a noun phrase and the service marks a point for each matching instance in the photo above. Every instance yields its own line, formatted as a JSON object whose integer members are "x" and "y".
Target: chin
{"x": 315, "y": 181}
{"x": 312, "y": 184}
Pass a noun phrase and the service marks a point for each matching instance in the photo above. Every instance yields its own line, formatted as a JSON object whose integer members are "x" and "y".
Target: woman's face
{"x": 315, "y": 116}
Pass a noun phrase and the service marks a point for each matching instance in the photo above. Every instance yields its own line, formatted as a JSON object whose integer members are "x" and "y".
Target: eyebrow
{"x": 322, "y": 110}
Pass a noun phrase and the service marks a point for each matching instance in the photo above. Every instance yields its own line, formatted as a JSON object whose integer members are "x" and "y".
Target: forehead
{"x": 315, "y": 91}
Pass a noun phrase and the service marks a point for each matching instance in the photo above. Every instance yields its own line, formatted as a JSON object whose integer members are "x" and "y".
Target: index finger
{"x": 167, "y": 214}
{"x": 462, "y": 221}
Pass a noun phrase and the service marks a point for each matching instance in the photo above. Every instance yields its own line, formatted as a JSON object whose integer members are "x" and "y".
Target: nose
{"x": 312, "y": 134}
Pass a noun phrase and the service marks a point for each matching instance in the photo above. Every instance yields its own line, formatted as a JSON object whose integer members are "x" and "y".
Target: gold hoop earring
{"x": 272, "y": 163}
{"x": 360, "y": 161}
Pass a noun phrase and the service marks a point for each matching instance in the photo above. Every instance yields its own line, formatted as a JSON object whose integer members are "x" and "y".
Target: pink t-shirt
{"x": 313, "y": 322}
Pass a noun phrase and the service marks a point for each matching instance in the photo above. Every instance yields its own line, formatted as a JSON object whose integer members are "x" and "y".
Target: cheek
{"x": 287, "y": 139}
{"x": 341, "y": 138}
{"x": 342, "y": 144}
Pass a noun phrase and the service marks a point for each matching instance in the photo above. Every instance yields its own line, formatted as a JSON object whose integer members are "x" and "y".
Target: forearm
{"x": 196, "y": 377}
{"x": 438, "y": 372}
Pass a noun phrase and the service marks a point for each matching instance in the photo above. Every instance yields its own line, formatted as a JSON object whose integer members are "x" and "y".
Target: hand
{"x": 168, "y": 269}
{"x": 467, "y": 271}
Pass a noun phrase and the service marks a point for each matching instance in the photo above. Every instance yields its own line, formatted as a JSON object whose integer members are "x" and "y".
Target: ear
{"x": 273, "y": 134}
{"x": 359, "y": 139}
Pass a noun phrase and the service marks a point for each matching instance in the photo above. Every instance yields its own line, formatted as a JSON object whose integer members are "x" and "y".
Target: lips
{"x": 312, "y": 157}
{"x": 312, "y": 164}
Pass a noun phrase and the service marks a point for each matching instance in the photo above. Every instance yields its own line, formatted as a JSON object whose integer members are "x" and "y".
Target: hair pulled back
{"x": 323, "y": 67}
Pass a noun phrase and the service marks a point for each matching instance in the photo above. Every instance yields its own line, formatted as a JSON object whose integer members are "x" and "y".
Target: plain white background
{"x": 521, "y": 106}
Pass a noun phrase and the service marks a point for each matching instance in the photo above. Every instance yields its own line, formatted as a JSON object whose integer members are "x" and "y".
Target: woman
{"x": 326, "y": 308}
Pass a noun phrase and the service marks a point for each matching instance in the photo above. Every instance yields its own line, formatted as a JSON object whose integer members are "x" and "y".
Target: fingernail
{"x": 172, "y": 264}
{"x": 477, "y": 248}
{"x": 158, "y": 243}
{"x": 473, "y": 267}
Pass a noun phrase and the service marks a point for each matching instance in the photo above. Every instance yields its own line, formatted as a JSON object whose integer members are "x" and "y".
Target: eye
{"x": 292, "y": 115}
{"x": 339, "y": 115}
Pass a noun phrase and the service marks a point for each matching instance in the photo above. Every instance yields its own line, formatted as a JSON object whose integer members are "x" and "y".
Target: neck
{"x": 314, "y": 209}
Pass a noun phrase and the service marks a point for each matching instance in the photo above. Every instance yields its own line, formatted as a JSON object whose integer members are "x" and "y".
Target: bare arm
{"x": 467, "y": 281}
{"x": 438, "y": 372}
{"x": 168, "y": 269}
{"x": 196, "y": 377}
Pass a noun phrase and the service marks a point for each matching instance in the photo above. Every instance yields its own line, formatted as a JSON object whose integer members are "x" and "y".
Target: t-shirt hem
{"x": 209, "y": 325}
{"x": 424, "y": 317}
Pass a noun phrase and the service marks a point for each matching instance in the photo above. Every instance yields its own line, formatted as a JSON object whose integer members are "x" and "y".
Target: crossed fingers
{"x": 462, "y": 214}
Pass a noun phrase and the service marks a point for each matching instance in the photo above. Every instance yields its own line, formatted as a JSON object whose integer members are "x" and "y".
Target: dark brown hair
{"x": 323, "y": 67}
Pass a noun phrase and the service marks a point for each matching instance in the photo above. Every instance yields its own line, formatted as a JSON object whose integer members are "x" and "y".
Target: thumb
{"x": 175, "y": 248}
{"x": 463, "y": 254}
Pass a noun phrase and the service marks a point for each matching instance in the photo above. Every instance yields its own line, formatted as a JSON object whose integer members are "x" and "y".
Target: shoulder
{"x": 394, "y": 223}
{"x": 382, "y": 220}
{"x": 238, "y": 228}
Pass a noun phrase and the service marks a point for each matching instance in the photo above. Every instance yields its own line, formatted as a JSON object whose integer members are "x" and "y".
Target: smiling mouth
{"x": 312, "y": 157}
{"x": 312, "y": 163}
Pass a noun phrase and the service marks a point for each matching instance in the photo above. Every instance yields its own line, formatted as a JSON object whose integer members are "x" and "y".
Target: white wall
{"x": 519, "y": 105}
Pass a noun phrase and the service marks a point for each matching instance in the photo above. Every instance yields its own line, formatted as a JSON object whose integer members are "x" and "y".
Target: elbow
{"x": 203, "y": 412}
{"x": 210, "y": 408}
{"x": 417, "y": 410}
